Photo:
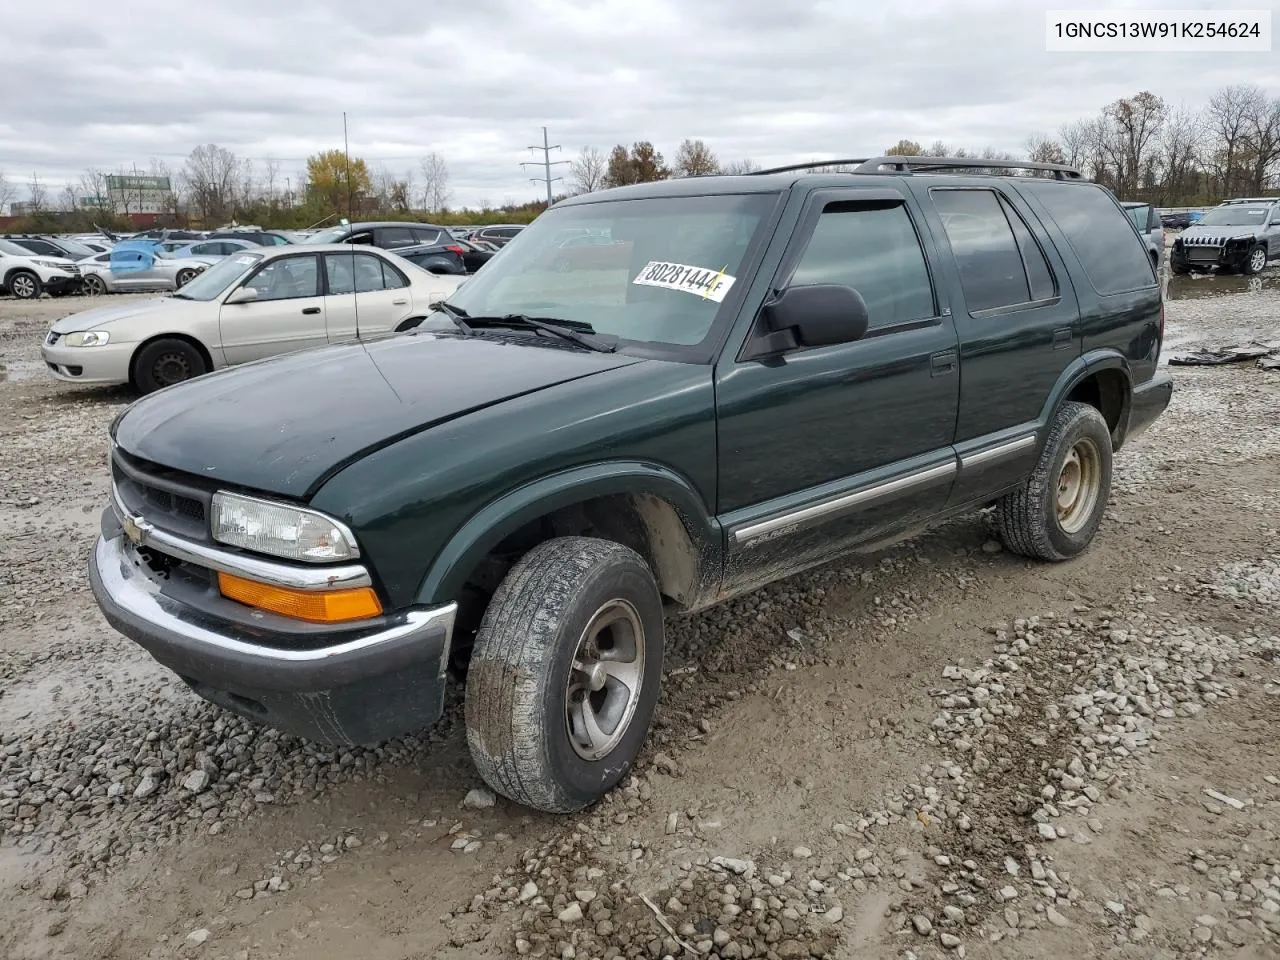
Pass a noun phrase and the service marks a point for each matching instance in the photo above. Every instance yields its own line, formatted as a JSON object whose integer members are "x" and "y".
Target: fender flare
{"x": 501, "y": 517}
{"x": 1080, "y": 369}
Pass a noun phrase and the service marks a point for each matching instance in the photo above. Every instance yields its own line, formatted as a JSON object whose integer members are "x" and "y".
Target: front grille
{"x": 1203, "y": 254}
{"x": 165, "y": 498}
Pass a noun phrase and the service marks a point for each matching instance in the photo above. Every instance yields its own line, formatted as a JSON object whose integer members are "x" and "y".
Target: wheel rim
{"x": 94, "y": 286}
{"x": 1079, "y": 485}
{"x": 1258, "y": 260}
{"x": 185, "y": 277}
{"x": 171, "y": 368}
{"x": 24, "y": 287}
{"x": 604, "y": 680}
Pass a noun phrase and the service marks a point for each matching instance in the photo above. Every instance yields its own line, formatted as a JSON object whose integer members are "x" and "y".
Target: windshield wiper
{"x": 574, "y": 331}
{"x": 457, "y": 315}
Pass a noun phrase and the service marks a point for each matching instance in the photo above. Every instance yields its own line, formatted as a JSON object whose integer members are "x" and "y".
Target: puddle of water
{"x": 1205, "y": 285}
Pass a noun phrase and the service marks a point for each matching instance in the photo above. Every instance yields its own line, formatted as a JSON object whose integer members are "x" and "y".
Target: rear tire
{"x": 1057, "y": 510}
{"x": 564, "y": 674}
{"x": 24, "y": 285}
{"x": 162, "y": 363}
{"x": 94, "y": 285}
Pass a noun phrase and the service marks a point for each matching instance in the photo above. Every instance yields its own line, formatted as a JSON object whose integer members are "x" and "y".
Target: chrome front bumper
{"x": 345, "y": 684}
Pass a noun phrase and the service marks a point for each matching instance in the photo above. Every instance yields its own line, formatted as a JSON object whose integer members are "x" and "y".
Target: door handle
{"x": 310, "y": 310}
{"x": 943, "y": 362}
{"x": 401, "y": 302}
{"x": 1062, "y": 338}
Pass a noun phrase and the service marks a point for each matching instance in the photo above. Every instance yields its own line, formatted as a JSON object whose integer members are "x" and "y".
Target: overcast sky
{"x": 114, "y": 84}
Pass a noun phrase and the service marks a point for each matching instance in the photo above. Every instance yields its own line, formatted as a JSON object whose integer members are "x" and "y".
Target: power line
{"x": 547, "y": 163}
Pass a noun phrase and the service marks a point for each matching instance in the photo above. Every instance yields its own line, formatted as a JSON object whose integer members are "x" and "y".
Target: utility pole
{"x": 546, "y": 163}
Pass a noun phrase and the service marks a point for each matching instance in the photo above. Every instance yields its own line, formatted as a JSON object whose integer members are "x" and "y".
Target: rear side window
{"x": 1114, "y": 259}
{"x": 875, "y": 250}
{"x": 991, "y": 270}
{"x": 421, "y": 235}
{"x": 1039, "y": 276}
{"x": 394, "y": 237}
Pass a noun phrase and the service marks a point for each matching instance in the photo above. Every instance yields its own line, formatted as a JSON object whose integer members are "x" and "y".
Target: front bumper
{"x": 107, "y": 364}
{"x": 61, "y": 284}
{"x": 343, "y": 686}
{"x": 1233, "y": 256}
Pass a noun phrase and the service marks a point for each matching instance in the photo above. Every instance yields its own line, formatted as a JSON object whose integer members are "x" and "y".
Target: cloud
{"x": 476, "y": 81}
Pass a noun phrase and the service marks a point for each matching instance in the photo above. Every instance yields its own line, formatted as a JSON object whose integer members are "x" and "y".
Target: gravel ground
{"x": 936, "y": 751}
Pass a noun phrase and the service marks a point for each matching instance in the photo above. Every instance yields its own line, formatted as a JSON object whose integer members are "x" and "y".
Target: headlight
{"x": 280, "y": 530}
{"x": 87, "y": 338}
{"x": 51, "y": 265}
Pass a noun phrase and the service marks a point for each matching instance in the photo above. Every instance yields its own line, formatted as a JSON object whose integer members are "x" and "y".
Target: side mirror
{"x": 817, "y": 315}
{"x": 243, "y": 295}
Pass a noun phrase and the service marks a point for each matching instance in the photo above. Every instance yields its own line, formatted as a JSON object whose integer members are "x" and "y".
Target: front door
{"x": 826, "y": 447}
{"x": 287, "y": 314}
{"x": 366, "y": 296}
{"x": 1018, "y": 323}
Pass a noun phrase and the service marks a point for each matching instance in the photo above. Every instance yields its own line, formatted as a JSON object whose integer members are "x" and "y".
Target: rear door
{"x": 288, "y": 314}
{"x": 366, "y": 296}
{"x": 1018, "y": 324}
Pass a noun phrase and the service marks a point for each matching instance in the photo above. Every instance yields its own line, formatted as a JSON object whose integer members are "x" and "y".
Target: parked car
{"x": 387, "y": 235}
{"x": 25, "y": 275}
{"x": 1240, "y": 235}
{"x": 786, "y": 367}
{"x": 214, "y": 248}
{"x": 1149, "y": 228}
{"x": 129, "y": 271}
{"x": 263, "y": 238}
{"x": 252, "y": 305}
{"x": 59, "y": 247}
{"x": 499, "y": 235}
{"x": 1175, "y": 221}
{"x": 450, "y": 256}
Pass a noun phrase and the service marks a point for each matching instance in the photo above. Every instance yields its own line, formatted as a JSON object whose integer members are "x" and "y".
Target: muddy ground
{"x": 941, "y": 750}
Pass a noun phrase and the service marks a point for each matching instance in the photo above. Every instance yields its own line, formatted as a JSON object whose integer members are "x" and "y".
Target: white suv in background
{"x": 26, "y": 275}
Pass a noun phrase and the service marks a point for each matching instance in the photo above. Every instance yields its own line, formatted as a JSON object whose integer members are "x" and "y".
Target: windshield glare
{"x": 1235, "y": 216}
{"x": 219, "y": 277}
{"x": 332, "y": 235}
{"x": 657, "y": 274}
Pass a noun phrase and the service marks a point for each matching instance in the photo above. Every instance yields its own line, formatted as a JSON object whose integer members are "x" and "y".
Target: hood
{"x": 1195, "y": 232}
{"x": 284, "y": 425}
{"x": 101, "y": 316}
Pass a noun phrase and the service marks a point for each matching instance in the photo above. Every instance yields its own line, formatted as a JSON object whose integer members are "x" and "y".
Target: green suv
{"x": 745, "y": 377}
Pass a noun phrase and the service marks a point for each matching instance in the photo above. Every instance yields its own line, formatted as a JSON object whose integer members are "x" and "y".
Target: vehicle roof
{"x": 305, "y": 248}
{"x": 366, "y": 224}
{"x": 1226, "y": 203}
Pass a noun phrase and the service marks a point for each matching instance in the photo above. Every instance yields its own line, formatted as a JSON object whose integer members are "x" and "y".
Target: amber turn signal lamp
{"x": 319, "y": 606}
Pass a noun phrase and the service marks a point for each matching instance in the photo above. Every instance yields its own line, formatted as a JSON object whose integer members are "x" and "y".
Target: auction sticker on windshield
{"x": 707, "y": 284}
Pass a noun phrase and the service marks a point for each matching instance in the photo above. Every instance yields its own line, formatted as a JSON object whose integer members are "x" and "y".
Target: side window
{"x": 389, "y": 237}
{"x": 288, "y": 278}
{"x": 1039, "y": 276}
{"x": 425, "y": 236}
{"x": 368, "y": 274}
{"x": 337, "y": 269}
{"x": 392, "y": 279}
{"x": 986, "y": 253}
{"x": 41, "y": 247}
{"x": 1114, "y": 259}
{"x": 875, "y": 250}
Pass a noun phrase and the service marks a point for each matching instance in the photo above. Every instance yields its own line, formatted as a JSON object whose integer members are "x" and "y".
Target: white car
{"x": 140, "y": 271}
{"x": 249, "y": 306}
{"x": 26, "y": 275}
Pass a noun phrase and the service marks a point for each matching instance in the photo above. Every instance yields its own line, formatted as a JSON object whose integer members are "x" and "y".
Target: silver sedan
{"x": 119, "y": 272}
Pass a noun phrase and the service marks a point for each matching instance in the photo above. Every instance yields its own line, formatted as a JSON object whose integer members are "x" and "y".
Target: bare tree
{"x": 740, "y": 167}
{"x": 211, "y": 174}
{"x": 1228, "y": 115}
{"x": 695, "y": 159}
{"x": 37, "y": 195}
{"x": 1178, "y": 154}
{"x": 1041, "y": 148}
{"x": 435, "y": 182}
{"x": 1075, "y": 138}
{"x": 7, "y": 191}
{"x": 93, "y": 186}
{"x": 586, "y": 172}
{"x": 270, "y": 177}
{"x": 1262, "y": 142}
{"x": 70, "y": 198}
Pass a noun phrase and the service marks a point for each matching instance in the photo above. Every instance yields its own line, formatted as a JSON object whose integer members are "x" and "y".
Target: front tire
{"x": 1057, "y": 510}
{"x": 1255, "y": 261}
{"x": 184, "y": 277}
{"x": 564, "y": 674}
{"x": 162, "y": 363}
{"x": 24, "y": 285}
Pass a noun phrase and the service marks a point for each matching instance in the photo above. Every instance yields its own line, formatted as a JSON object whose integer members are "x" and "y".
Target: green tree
{"x": 647, "y": 163}
{"x": 327, "y": 181}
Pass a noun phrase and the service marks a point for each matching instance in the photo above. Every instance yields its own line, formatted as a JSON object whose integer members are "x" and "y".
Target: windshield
{"x": 1139, "y": 216}
{"x": 1235, "y": 215}
{"x": 332, "y": 235}
{"x": 77, "y": 250}
{"x": 217, "y": 278}
{"x": 13, "y": 250}
{"x": 658, "y": 275}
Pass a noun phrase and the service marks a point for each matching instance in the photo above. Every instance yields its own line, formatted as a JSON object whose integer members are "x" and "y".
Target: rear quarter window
{"x": 1114, "y": 258}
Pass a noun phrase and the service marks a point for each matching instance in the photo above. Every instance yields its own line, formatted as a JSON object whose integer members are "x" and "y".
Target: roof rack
{"x": 908, "y": 165}
{"x": 1251, "y": 200}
